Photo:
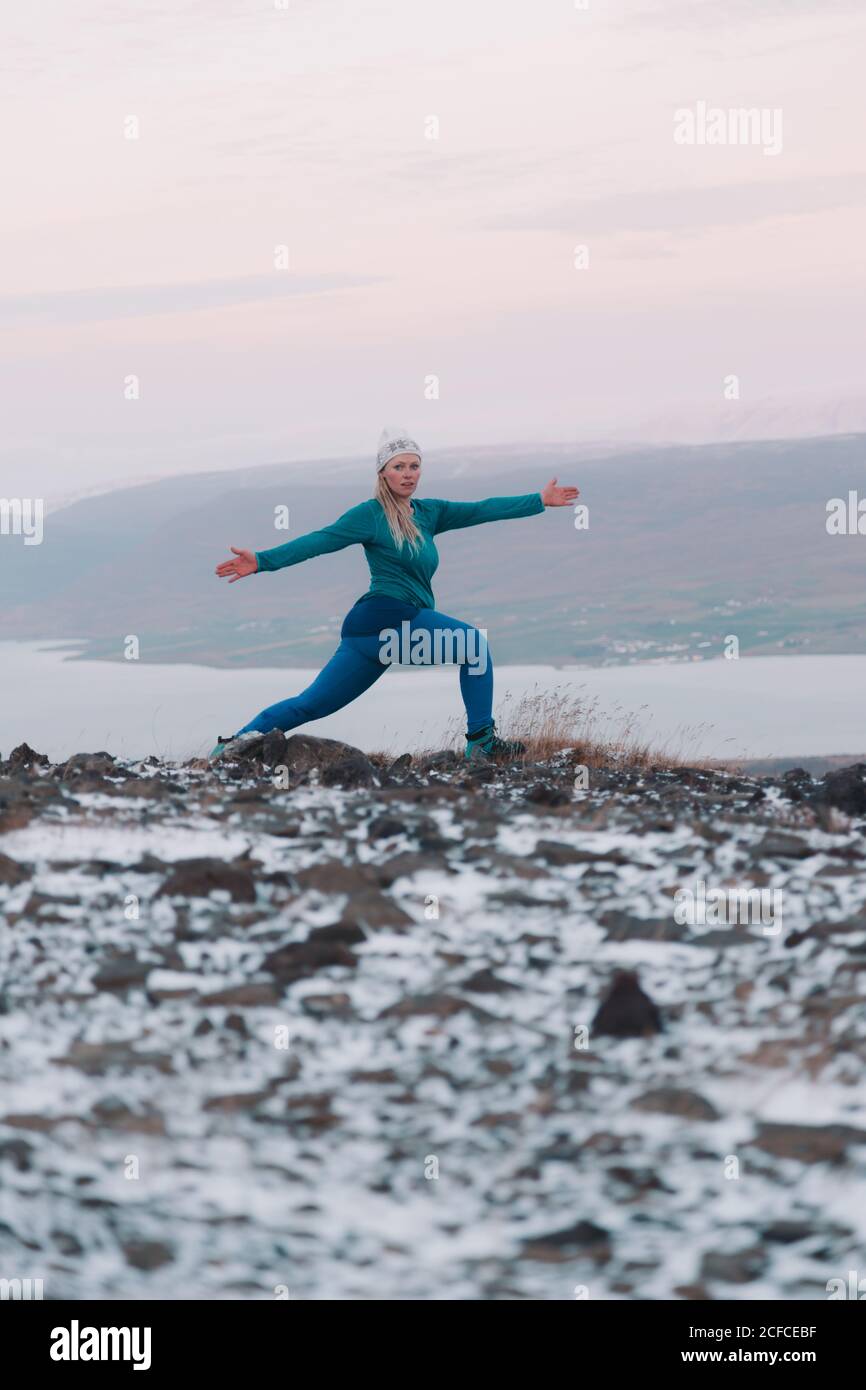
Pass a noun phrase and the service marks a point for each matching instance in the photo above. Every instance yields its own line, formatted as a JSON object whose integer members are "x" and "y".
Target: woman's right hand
{"x": 232, "y": 570}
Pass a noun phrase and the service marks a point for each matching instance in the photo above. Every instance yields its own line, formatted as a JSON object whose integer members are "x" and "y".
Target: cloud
{"x": 692, "y": 209}
{"x": 138, "y": 301}
{"x": 709, "y": 14}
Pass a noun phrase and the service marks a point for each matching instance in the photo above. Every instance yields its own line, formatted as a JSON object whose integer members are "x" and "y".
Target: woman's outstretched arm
{"x": 453, "y": 515}
{"x": 352, "y": 528}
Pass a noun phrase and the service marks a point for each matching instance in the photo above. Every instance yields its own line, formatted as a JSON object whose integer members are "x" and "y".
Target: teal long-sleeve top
{"x": 403, "y": 573}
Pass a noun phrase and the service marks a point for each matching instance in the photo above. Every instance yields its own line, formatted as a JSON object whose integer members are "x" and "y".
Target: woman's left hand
{"x": 555, "y": 496}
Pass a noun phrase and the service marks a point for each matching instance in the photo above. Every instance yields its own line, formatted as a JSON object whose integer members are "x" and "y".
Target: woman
{"x": 399, "y": 609}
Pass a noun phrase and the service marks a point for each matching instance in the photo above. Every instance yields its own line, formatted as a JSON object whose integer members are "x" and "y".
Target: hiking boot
{"x": 228, "y": 749}
{"x": 485, "y": 745}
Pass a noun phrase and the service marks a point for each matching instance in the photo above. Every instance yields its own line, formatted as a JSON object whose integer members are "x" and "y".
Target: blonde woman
{"x": 397, "y": 531}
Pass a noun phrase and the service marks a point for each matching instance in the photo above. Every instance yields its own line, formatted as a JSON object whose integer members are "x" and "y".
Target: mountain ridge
{"x": 685, "y": 546}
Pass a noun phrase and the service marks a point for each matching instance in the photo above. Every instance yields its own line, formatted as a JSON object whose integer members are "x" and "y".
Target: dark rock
{"x": 514, "y": 897}
{"x": 797, "y": 783}
{"x": 147, "y": 864}
{"x": 147, "y": 1254}
{"x": 499, "y": 1119}
{"x": 332, "y": 876}
{"x": 430, "y": 841}
{"x": 344, "y": 933}
{"x": 832, "y": 1006}
{"x": 11, "y": 872}
{"x": 400, "y": 765}
{"x": 622, "y": 926}
{"x": 321, "y": 1005}
{"x": 15, "y": 809}
{"x": 385, "y": 827}
{"x": 443, "y": 761}
{"x": 89, "y": 782}
{"x": 671, "y": 1100}
{"x": 303, "y": 958}
{"x": 236, "y": 1102}
{"x": 625, "y": 1011}
{"x": 198, "y": 878}
{"x": 416, "y": 795}
{"x": 845, "y": 789}
{"x": 788, "y": 1232}
{"x": 824, "y": 931}
{"x": 478, "y": 774}
{"x": 39, "y": 1124}
{"x": 149, "y": 788}
{"x": 353, "y": 771}
{"x": 248, "y": 996}
{"x": 122, "y": 973}
{"x": 274, "y": 747}
{"x": 313, "y": 1110}
{"x": 777, "y": 844}
{"x": 100, "y": 763}
{"x": 34, "y": 908}
{"x": 559, "y": 854}
{"x": 17, "y": 1152}
{"x": 639, "y": 1180}
{"x": 113, "y": 1113}
{"x": 97, "y": 1059}
{"x": 304, "y": 752}
{"x": 19, "y": 790}
{"x": 485, "y": 982}
{"x": 808, "y": 1143}
{"x": 542, "y": 794}
{"x": 408, "y": 863}
{"x": 437, "y": 1005}
{"x": 250, "y": 800}
{"x": 250, "y": 752}
{"x": 372, "y": 909}
{"x": 285, "y": 830}
{"x": 68, "y": 1244}
{"x": 739, "y": 1267}
{"x": 25, "y": 756}
{"x": 584, "y": 1239}
{"x": 724, "y": 939}
{"x": 480, "y": 822}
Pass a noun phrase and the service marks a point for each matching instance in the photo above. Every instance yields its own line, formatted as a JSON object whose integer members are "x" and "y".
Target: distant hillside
{"x": 816, "y": 767}
{"x": 685, "y": 546}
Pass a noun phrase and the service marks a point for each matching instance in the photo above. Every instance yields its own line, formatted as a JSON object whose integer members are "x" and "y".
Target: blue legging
{"x": 358, "y": 663}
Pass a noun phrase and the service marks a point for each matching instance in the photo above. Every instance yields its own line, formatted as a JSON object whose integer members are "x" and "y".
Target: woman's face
{"x": 402, "y": 474}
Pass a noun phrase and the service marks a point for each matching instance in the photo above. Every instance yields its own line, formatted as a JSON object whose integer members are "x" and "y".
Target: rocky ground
{"x": 311, "y": 1027}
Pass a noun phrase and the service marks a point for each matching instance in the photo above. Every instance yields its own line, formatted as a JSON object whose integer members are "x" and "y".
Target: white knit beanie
{"x": 393, "y": 442}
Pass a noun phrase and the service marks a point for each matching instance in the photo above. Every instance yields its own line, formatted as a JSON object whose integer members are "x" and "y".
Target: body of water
{"x": 755, "y": 707}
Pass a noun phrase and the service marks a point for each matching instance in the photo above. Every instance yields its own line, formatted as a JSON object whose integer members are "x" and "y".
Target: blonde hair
{"x": 399, "y": 519}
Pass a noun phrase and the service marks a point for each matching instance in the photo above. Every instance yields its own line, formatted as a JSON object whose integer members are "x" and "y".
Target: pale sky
{"x": 304, "y": 126}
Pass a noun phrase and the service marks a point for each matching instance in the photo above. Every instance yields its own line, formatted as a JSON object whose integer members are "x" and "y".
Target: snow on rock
{"x": 425, "y": 1032}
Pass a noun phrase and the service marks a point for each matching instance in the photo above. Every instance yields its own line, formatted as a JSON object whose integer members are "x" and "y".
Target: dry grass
{"x": 559, "y": 721}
